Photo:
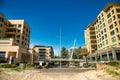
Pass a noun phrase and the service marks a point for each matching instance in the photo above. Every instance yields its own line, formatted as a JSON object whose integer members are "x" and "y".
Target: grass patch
{"x": 10, "y": 66}
{"x": 16, "y": 69}
{"x": 112, "y": 72}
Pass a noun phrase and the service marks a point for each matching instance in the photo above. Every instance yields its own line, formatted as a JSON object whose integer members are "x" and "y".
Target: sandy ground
{"x": 37, "y": 75}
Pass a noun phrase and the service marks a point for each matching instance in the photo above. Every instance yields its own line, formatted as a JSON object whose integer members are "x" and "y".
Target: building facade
{"x": 90, "y": 39}
{"x": 42, "y": 53}
{"x": 14, "y": 40}
{"x": 107, "y": 32}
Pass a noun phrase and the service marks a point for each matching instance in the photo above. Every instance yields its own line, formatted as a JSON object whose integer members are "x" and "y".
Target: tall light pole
{"x": 60, "y": 48}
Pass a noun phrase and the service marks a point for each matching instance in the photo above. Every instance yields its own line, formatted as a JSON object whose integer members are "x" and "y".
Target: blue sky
{"x": 46, "y": 17}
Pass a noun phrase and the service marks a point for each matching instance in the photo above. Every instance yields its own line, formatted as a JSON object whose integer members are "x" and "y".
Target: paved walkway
{"x": 75, "y": 70}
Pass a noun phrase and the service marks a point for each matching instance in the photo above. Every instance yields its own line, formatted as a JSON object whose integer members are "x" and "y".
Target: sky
{"x": 47, "y": 17}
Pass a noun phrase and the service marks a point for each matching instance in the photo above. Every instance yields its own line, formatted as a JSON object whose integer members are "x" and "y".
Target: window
{"x": 105, "y": 35}
{"x": 2, "y": 54}
{"x": 23, "y": 37}
{"x": 111, "y": 27}
{"x": 114, "y": 17}
{"x": 115, "y": 23}
{"x": 118, "y": 10}
{"x": 109, "y": 15}
{"x": 106, "y": 42}
{"x": 101, "y": 27}
{"x": 103, "y": 24}
{"x": 118, "y": 16}
{"x": 19, "y": 25}
{"x": 112, "y": 33}
{"x": 110, "y": 21}
{"x": 18, "y": 36}
{"x": 101, "y": 32}
{"x": 1, "y": 19}
{"x": 5, "y": 23}
{"x": 100, "y": 22}
{"x": 102, "y": 37}
{"x": 22, "y": 43}
{"x": 113, "y": 39}
{"x": 98, "y": 26}
{"x": 102, "y": 14}
{"x": 118, "y": 36}
{"x": 17, "y": 41}
{"x": 116, "y": 30}
{"x": 102, "y": 19}
{"x": 112, "y": 11}
{"x": 105, "y": 30}
{"x": 19, "y": 30}
{"x": 100, "y": 45}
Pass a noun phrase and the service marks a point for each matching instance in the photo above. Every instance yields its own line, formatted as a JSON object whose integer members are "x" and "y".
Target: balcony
{"x": 7, "y": 41}
{"x": 12, "y": 27}
{"x": 13, "y": 32}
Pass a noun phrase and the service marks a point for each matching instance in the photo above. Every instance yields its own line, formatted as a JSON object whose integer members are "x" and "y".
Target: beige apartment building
{"x": 42, "y": 53}
{"x": 14, "y": 40}
{"x": 90, "y": 39}
{"x": 107, "y": 31}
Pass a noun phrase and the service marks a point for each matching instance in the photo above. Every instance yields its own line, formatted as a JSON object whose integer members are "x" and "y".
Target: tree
{"x": 64, "y": 52}
{"x": 84, "y": 52}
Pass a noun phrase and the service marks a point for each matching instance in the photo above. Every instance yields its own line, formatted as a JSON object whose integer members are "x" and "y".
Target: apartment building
{"x": 90, "y": 39}
{"x": 14, "y": 40}
{"x": 107, "y": 32}
{"x": 42, "y": 53}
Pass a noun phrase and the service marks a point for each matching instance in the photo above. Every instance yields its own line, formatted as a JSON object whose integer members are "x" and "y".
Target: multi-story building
{"x": 107, "y": 31}
{"x": 14, "y": 39}
{"x": 90, "y": 39}
{"x": 42, "y": 53}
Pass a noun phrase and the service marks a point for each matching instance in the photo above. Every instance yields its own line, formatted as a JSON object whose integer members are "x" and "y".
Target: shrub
{"x": 30, "y": 65}
{"x": 38, "y": 67}
{"x": 6, "y": 65}
{"x": 116, "y": 64}
{"x": 112, "y": 72}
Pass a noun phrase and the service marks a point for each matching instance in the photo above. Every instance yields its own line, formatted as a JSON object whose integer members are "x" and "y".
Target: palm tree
{"x": 84, "y": 52}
